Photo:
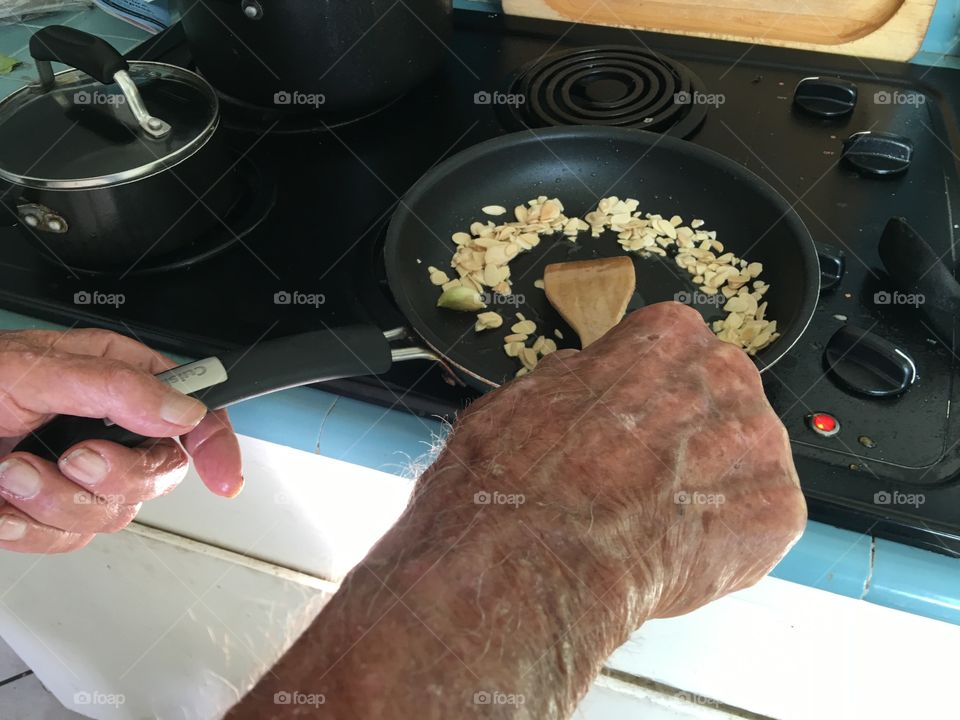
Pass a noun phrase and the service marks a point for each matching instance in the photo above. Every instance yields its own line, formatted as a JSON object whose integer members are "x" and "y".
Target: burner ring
{"x": 609, "y": 85}
{"x": 574, "y": 85}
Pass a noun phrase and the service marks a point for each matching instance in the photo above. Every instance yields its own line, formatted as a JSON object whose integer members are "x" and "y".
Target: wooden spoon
{"x": 591, "y": 295}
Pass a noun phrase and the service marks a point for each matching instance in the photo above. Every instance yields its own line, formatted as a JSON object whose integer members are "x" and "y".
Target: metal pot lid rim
{"x": 135, "y": 173}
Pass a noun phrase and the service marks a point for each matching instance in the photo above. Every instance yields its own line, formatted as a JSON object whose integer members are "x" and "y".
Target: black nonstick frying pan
{"x": 577, "y": 165}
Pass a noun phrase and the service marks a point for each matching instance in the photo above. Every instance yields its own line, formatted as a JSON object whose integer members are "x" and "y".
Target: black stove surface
{"x": 314, "y": 261}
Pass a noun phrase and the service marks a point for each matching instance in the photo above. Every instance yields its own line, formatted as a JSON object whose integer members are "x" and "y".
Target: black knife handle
{"x": 267, "y": 367}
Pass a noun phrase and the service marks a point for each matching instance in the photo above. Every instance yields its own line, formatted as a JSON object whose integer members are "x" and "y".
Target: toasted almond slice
{"x": 490, "y": 319}
{"x": 516, "y": 337}
{"x": 529, "y": 358}
{"x": 527, "y": 327}
{"x": 549, "y": 346}
{"x": 513, "y": 349}
{"x": 558, "y": 334}
{"x": 494, "y": 210}
{"x": 538, "y": 283}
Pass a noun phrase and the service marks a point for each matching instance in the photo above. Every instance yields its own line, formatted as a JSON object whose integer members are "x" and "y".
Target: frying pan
{"x": 577, "y": 165}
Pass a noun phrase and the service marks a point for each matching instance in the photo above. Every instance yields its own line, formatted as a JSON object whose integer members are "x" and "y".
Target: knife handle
{"x": 218, "y": 382}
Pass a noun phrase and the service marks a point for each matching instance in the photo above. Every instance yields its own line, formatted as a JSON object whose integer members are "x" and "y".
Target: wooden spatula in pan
{"x": 591, "y": 295}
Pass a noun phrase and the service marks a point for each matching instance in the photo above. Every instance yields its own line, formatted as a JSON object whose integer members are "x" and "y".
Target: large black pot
{"x": 330, "y": 55}
{"x": 112, "y": 164}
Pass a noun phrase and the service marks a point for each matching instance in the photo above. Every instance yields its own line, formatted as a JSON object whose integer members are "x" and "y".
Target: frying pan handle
{"x": 77, "y": 49}
{"x": 232, "y": 377}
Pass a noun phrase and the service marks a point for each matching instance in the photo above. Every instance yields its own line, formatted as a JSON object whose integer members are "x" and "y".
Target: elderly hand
{"x": 640, "y": 478}
{"x": 97, "y": 486}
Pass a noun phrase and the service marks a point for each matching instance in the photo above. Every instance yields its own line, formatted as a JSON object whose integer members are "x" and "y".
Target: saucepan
{"x": 579, "y": 166}
{"x": 110, "y": 162}
{"x": 316, "y": 55}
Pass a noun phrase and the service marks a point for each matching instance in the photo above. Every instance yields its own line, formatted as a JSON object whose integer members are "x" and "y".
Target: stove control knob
{"x": 866, "y": 364}
{"x": 833, "y": 263}
{"x": 825, "y": 96}
{"x": 878, "y": 153}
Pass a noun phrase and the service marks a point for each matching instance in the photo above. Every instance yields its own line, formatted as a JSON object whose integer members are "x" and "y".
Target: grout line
{"x": 870, "y": 568}
{"x": 650, "y": 685}
{"x": 9, "y": 680}
{"x": 323, "y": 422}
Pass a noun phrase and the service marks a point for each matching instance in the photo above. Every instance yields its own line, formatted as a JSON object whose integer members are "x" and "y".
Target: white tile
{"x": 27, "y": 699}
{"x": 764, "y": 648}
{"x": 10, "y": 662}
{"x": 168, "y": 628}
{"x": 299, "y": 510}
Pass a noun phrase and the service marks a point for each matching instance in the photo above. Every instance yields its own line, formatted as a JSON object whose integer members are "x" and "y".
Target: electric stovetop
{"x": 303, "y": 251}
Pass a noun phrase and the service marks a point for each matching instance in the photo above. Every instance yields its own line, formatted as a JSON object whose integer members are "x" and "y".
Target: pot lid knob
{"x": 96, "y": 58}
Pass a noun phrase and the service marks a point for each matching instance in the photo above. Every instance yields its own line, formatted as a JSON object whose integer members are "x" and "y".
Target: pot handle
{"x": 96, "y": 58}
{"x": 269, "y": 366}
{"x": 75, "y": 48}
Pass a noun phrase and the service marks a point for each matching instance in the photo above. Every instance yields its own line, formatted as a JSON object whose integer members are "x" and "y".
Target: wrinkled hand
{"x": 655, "y": 448}
{"x": 97, "y": 486}
{"x": 640, "y": 478}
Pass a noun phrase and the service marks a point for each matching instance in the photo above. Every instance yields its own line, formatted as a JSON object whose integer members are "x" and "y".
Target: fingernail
{"x": 12, "y": 528}
{"x": 19, "y": 478}
{"x": 182, "y": 410}
{"x": 84, "y": 466}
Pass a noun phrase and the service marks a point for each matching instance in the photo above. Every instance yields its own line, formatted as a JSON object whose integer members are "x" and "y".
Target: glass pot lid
{"x": 72, "y": 130}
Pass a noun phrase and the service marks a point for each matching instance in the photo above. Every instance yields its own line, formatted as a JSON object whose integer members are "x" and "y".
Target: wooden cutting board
{"x": 891, "y": 29}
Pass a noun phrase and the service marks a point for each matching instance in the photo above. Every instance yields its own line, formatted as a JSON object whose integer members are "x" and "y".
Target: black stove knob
{"x": 832, "y": 265}
{"x": 825, "y": 96}
{"x": 878, "y": 153}
{"x": 866, "y": 364}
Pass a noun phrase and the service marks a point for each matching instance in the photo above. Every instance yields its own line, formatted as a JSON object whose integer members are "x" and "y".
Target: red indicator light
{"x": 824, "y": 424}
